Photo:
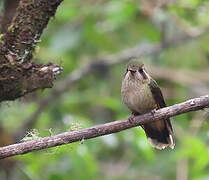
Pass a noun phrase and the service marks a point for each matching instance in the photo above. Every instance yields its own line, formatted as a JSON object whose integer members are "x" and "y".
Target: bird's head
{"x": 136, "y": 70}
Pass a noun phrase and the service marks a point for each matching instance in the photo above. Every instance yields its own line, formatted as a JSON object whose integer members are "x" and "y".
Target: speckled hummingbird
{"x": 142, "y": 94}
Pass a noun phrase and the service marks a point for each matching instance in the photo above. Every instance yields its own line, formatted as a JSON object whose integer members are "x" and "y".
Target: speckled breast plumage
{"x": 137, "y": 96}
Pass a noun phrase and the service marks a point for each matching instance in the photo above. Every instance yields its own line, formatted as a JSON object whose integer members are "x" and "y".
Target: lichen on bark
{"x": 18, "y": 75}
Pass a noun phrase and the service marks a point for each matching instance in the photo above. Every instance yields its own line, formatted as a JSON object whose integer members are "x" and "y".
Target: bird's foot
{"x": 131, "y": 118}
{"x": 153, "y": 112}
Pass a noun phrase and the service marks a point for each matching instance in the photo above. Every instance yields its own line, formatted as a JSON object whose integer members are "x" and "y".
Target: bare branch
{"x": 104, "y": 129}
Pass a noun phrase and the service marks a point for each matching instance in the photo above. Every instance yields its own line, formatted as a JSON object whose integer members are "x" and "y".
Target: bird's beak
{"x": 132, "y": 71}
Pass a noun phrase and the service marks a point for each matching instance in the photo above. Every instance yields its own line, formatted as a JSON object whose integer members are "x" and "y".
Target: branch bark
{"x": 104, "y": 129}
{"x": 17, "y": 44}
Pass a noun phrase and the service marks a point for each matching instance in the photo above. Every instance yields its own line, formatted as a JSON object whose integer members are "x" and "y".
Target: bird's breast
{"x": 137, "y": 96}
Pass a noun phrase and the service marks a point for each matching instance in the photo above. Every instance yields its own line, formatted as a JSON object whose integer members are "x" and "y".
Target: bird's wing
{"x": 159, "y": 133}
{"x": 158, "y": 97}
{"x": 157, "y": 94}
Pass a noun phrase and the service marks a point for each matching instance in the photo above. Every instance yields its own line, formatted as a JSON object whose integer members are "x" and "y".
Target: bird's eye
{"x": 140, "y": 70}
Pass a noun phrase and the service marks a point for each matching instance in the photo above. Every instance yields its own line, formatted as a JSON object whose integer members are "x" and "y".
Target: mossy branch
{"x": 16, "y": 50}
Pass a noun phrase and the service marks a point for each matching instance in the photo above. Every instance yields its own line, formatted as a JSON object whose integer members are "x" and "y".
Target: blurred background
{"x": 93, "y": 41}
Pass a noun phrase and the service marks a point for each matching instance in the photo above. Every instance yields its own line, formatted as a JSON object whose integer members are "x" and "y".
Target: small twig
{"x": 100, "y": 130}
{"x": 182, "y": 169}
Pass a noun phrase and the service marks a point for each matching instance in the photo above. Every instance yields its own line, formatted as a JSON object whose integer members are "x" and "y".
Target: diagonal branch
{"x": 123, "y": 56}
{"x": 104, "y": 129}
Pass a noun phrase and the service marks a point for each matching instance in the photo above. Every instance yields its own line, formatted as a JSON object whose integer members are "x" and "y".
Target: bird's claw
{"x": 153, "y": 112}
{"x": 131, "y": 119}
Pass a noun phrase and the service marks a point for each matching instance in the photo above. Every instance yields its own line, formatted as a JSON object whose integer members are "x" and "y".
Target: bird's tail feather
{"x": 160, "y": 134}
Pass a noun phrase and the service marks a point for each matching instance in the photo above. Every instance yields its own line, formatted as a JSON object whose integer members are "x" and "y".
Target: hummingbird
{"x": 141, "y": 94}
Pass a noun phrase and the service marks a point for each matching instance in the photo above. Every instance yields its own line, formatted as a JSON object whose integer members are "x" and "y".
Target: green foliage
{"x": 198, "y": 155}
{"x": 82, "y": 31}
